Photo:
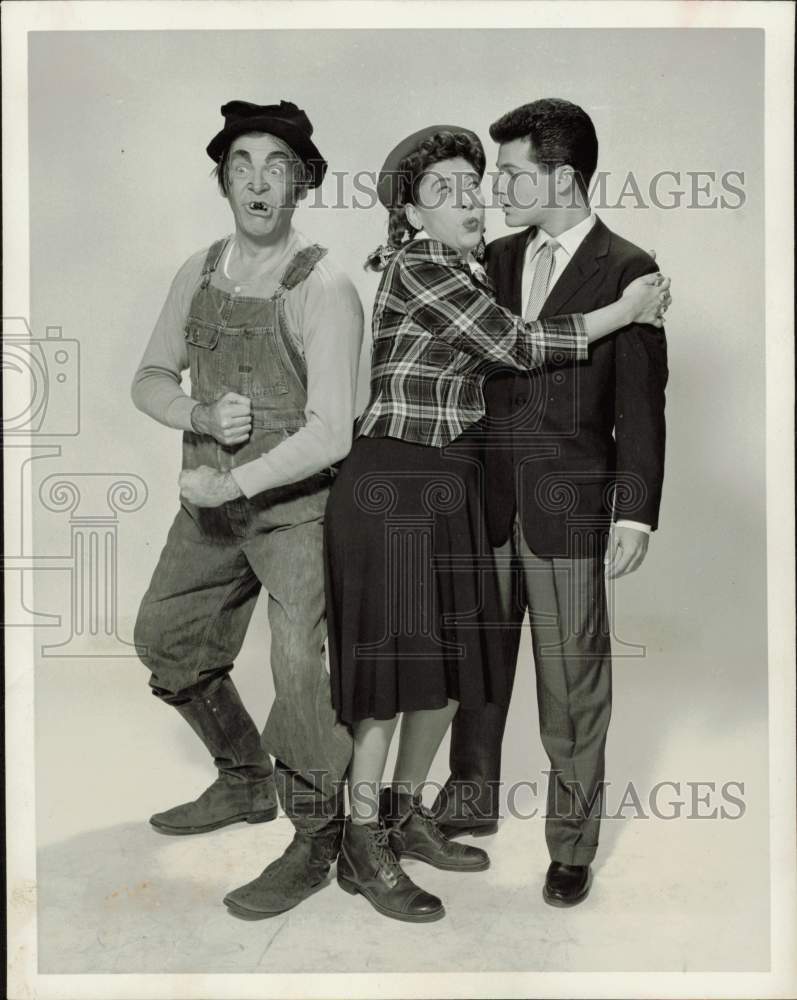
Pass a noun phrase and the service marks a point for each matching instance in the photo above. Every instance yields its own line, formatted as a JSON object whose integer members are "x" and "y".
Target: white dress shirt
{"x": 569, "y": 241}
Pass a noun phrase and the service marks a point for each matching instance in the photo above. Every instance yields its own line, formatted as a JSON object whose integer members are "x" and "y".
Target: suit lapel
{"x": 519, "y": 252}
{"x": 586, "y": 261}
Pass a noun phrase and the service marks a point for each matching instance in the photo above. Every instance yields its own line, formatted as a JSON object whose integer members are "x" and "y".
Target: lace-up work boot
{"x": 415, "y": 833}
{"x": 368, "y": 865}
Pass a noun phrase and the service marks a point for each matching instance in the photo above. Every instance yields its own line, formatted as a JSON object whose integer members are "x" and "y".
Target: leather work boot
{"x": 414, "y": 833}
{"x": 305, "y": 863}
{"x": 367, "y": 865}
{"x": 244, "y": 790}
{"x": 292, "y": 877}
{"x": 469, "y": 800}
{"x": 466, "y": 807}
{"x": 227, "y": 800}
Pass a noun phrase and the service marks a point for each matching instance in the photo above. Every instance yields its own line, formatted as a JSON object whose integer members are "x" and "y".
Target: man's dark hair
{"x": 560, "y": 132}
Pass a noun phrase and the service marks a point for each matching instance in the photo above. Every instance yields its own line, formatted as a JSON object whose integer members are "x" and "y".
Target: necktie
{"x": 542, "y": 262}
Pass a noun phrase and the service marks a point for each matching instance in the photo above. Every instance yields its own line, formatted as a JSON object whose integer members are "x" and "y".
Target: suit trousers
{"x": 566, "y": 600}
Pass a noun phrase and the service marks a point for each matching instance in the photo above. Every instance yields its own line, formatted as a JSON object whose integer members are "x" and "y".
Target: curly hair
{"x": 560, "y": 133}
{"x": 435, "y": 148}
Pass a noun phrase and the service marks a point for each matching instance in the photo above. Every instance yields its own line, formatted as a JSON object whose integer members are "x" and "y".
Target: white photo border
{"x": 777, "y": 21}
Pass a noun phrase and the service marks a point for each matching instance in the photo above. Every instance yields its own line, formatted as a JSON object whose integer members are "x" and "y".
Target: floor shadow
{"x": 127, "y": 900}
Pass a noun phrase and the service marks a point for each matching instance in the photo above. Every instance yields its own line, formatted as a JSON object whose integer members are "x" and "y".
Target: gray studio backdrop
{"x": 120, "y": 195}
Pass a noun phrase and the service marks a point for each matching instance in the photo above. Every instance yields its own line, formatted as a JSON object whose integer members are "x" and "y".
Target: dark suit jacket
{"x": 568, "y": 443}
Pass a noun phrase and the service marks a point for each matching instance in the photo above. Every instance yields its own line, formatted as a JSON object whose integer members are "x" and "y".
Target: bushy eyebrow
{"x": 276, "y": 154}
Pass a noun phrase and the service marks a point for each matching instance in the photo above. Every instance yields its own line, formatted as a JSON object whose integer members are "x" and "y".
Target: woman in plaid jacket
{"x": 411, "y": 592}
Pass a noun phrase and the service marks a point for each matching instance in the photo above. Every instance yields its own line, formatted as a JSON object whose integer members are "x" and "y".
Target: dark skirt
{"x": 412, "y": 602}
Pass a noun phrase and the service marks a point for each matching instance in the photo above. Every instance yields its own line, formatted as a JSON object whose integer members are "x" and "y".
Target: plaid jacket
{"x": 437, "y": 334}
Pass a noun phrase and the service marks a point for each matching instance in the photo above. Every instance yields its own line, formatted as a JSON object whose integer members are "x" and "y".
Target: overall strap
{"x": 300, "y": 265}
{"x": 212, "y": 260}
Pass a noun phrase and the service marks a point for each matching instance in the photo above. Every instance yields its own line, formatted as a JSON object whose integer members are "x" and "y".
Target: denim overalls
{"x": 194, "y": 617}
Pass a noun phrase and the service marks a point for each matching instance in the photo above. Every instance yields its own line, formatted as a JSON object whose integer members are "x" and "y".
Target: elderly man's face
{"x": 261, "y": 186}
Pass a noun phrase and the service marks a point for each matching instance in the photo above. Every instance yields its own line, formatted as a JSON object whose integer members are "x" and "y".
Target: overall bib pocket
{"x": 261, "y": 371}
{"x": 204, "y": 360}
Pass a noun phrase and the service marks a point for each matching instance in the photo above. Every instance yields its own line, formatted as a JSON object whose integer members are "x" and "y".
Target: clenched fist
{"x": 228, "y": 420}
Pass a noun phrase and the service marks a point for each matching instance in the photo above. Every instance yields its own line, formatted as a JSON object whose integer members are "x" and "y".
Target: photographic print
{"x": 399, "y": 516}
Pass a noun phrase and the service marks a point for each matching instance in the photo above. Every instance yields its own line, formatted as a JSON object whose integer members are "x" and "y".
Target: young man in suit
{"x": 574, "y": 468}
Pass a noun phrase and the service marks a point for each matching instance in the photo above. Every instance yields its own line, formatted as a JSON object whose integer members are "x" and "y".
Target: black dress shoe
{"x": 566, "y": 885}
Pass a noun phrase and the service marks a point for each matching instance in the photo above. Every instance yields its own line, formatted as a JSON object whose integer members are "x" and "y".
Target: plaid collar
{"x": 428, "y": 248}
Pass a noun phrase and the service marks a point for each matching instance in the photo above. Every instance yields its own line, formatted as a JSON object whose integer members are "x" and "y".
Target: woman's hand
{"x": 648, "y": 298}
{"x": 644, "y": 301}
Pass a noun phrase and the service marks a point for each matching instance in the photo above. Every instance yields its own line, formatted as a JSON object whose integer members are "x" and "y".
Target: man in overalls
{"x": 271, "y": 332}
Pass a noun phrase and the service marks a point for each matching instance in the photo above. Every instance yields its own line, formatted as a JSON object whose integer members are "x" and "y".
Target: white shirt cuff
{"x": 636, "y": 525}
